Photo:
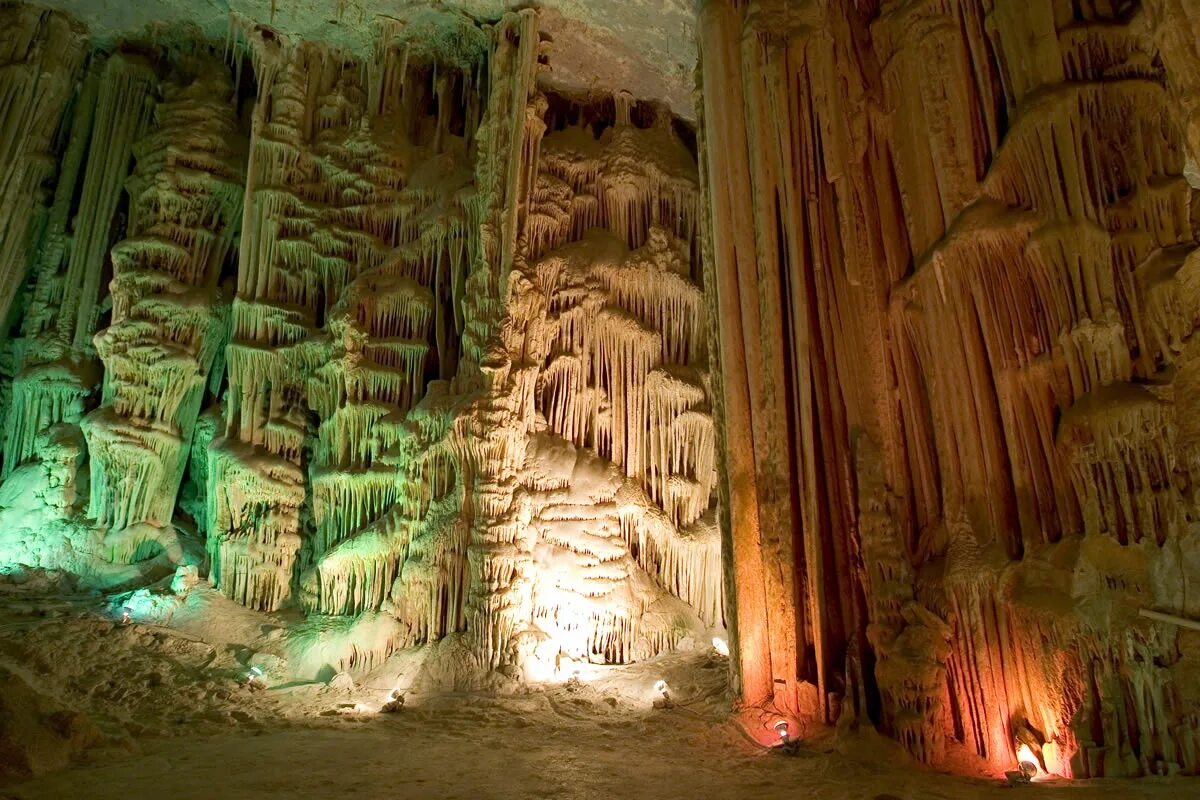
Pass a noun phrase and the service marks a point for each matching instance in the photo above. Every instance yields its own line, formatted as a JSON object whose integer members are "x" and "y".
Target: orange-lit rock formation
{"x": 952, "y": 246}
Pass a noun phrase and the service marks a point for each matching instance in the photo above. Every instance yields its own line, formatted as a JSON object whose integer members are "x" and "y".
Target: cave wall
{"x": 421, "y": 344}
{"x": 402, "y": 339}
{"x": 953, "y": 252}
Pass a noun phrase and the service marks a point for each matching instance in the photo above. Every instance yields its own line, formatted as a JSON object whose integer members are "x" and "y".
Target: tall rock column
{"x": 256, "y": 483}
{"x": 586, "y": 446}
{"x": 775, "y": 226}
{"x": 356, "y": 241}
{"x": 493, "y": 438}
{"x": 167, "y": 322}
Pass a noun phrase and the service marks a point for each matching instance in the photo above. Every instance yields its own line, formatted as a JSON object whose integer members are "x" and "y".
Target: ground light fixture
{"x": 663, "y": 689}
{"x": 786, "y": 745}
{"x": 1027, "y": 766}
{"x": 394, "y": 702}
{"x": 254, "y": 679}
{"x": 1027, "y": 761}
{"x": 721, "y": 646}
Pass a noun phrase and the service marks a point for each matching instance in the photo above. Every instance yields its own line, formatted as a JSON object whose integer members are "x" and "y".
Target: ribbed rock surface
{"x": 954, "y": 256}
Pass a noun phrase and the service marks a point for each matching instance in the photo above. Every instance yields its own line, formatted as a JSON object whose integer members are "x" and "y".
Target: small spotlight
{"x": 1027, "y": 766}
{"x": 126, "y": 615}
{"x": 720, "y": 646}
{"x": 254, "y": 679}
{"x": 395, "y": 702}
{"x": 661, "y": 687}
{"x": 781, "y": 728}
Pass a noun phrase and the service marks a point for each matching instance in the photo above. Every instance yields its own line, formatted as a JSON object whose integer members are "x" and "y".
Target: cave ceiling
{"x": 646, "y": 47}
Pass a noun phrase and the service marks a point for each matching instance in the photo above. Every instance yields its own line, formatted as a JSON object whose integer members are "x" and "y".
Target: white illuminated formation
{"x": 720, "y": 646}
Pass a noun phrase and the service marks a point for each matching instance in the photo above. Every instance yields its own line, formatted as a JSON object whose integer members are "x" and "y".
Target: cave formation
{"x": 521, "y": 343}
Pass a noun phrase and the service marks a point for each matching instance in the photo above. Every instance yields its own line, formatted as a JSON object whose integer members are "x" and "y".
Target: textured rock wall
{"x": 39, "y": 56}
{"x": 963, "y": 285}
{"x": 392, "y": 337}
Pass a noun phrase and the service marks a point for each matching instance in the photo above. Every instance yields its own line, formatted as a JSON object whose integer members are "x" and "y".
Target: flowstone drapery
{"x": 970, "y": 299}
{"x": 168, "y": 319}
{"x": 381, "y": 336}
{"x": 352, "y": 247}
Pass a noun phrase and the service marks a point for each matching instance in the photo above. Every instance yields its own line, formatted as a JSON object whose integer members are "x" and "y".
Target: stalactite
{"x": 42, "y": 396}
{"x": 41, "y": 53}
{"x": 123, "y": 109}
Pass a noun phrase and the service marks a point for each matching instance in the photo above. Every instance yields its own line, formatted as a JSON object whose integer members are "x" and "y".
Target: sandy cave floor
{"x": 176, "y": 725}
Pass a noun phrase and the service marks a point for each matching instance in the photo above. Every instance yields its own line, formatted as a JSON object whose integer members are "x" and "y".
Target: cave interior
{"x": 820, "y": 368}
